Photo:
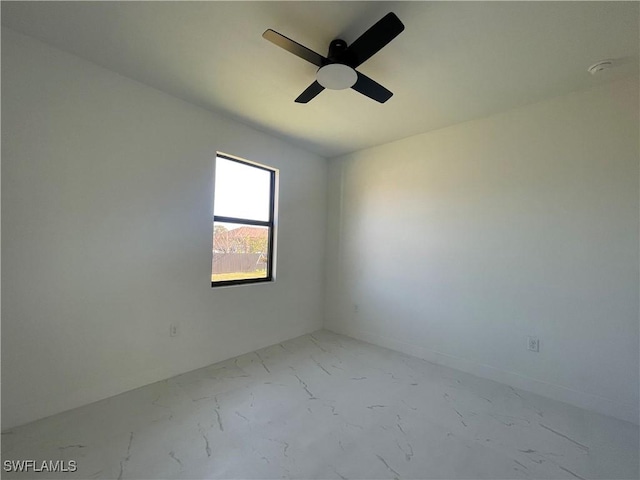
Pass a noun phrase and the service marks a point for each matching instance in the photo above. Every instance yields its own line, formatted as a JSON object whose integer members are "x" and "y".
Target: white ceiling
{"x": 455, "y": 61}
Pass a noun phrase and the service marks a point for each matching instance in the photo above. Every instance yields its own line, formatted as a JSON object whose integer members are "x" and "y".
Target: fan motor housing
{"x": 337, "y": 48}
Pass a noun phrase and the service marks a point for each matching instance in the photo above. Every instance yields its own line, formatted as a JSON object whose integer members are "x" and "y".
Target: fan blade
{"x": 295, "y": 48}
{"x": 312, "y": 90}
{"x": 371, "y": 89}
{"x": 372, "y": 41}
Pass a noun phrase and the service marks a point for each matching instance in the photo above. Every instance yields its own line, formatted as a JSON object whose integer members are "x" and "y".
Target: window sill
{"x": 240, "y": 283}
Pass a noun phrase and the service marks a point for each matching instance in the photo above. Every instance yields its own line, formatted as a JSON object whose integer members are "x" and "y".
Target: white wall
{"x": 456, "y": 245}
{"x": 106, "y": 222}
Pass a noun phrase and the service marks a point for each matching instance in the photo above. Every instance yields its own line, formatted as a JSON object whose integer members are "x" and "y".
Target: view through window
{"x": 243, "y": 222}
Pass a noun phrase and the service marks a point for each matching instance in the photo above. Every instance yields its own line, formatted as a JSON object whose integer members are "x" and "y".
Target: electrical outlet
{"x": 173, "y": 330}
{"x": 533, "y": 344}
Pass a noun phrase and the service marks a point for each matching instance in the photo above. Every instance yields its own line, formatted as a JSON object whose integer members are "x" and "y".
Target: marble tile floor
{"x": 325, "y": 406}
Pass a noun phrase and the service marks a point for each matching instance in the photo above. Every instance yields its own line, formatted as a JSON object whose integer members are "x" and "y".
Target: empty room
{"x": 320, "y": 240}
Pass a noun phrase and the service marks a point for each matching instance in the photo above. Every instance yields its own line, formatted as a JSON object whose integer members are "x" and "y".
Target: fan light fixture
{"x": 336, "y": 76}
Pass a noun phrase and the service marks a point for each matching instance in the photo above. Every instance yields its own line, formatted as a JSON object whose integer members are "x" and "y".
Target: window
{"x": 243, "y": 222}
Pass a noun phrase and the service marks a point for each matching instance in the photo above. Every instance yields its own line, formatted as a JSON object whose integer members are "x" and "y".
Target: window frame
{"x": 270, "y": 223}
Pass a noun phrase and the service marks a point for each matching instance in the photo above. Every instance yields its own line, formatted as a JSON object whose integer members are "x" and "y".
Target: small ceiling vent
{"x": 600, "y": 66}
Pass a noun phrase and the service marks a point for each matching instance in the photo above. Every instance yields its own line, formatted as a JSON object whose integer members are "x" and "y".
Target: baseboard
{"x": 31, "y": 411}
{"x": 588, "y": 401}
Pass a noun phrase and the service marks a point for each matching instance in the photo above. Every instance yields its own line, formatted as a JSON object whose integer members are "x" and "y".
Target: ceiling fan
{"x": 338, "y": 70}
